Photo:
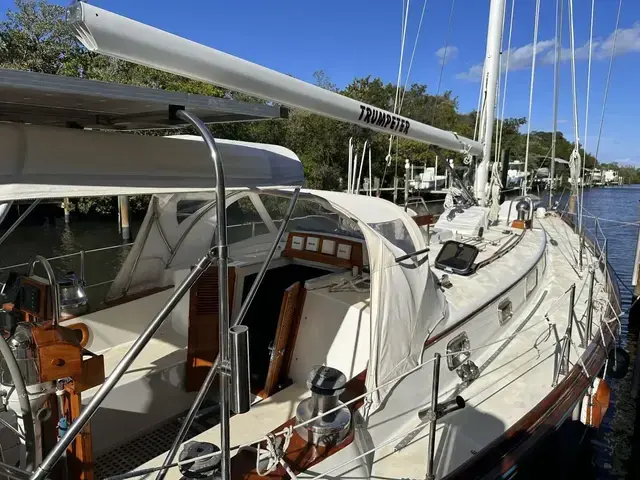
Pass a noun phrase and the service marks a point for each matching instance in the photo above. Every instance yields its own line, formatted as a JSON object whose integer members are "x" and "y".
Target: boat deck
{"x": 517, "y": 371}
{"x": 518, "y": 378}
{"x": 468, "y": 293}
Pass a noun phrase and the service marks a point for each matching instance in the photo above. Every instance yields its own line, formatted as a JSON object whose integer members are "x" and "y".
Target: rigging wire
{"x": 444, "y": 60}
{"x": 575, "y": 155}
{"x": 586, "y": 114}
{"x": 413, "y": 53}
{"x": 479, "y": 107}
{"x": 556, "y": 88}
{"x": 606, "y": 88}
{"x": 403, "y": 34}
{"x": 533, "y": 74}
{"x": 506, "y": 77}
{"x": 498, "y": 90}
{"x": 405, "y": 17}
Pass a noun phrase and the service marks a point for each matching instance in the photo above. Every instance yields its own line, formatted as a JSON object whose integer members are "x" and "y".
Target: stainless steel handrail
{"x": 223, "y": 286}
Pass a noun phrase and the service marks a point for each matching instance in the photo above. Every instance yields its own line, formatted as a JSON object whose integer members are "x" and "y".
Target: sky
{"x": 356, "y": 38}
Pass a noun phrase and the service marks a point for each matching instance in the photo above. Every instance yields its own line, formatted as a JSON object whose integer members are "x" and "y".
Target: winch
{"x": 73, "y": 298}
{"x": 522, "y": 209}
{"x": 326, "y": 385}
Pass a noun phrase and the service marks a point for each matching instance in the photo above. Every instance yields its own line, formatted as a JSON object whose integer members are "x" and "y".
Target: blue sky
{"x": 351, "y": 38}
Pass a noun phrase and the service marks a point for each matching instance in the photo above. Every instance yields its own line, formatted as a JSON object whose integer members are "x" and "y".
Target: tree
{"x": 36, "y": 37}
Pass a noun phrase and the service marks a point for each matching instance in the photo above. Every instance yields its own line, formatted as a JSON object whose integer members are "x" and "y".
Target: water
{"x": 53, "y": 238}
{"x": 613, "y": 453}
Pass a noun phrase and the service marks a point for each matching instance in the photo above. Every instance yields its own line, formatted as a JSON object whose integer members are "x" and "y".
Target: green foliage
{"x": 35, "y": 37}
{"x": 108, "y": 205}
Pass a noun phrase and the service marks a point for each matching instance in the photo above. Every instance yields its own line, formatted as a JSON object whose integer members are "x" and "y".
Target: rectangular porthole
{"x": 505, "y": 311}
{"x": 458, "y": 351}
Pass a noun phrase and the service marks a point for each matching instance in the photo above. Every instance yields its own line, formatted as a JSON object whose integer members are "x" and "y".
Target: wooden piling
{"x": 67, "y": 211}
{"x": 124, "y": 217}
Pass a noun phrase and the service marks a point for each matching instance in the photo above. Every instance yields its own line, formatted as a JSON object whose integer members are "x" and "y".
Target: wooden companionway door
{"x": 203, "y": 341}
{"x": 282, "y": 341}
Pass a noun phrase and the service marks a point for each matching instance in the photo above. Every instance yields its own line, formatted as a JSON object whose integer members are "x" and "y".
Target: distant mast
{"x": 490, "y": 84}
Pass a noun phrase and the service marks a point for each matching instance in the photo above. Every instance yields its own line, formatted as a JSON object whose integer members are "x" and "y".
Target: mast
{"x": 492, "y": 66}
{"x": 556, "y": 88}
{"x": 110, "y": 34}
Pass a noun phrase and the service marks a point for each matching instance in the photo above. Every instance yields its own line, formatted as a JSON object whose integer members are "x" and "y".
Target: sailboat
{"x": 349, "y": 338}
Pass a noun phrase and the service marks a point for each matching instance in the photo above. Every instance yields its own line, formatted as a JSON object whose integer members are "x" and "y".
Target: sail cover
{"x": 49, "y": 162}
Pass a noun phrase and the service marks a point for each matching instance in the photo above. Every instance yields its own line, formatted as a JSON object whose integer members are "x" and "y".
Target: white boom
{"x": 117, "y": 36}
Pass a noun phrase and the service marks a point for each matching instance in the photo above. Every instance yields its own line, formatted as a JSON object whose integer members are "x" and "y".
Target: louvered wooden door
{"x": 203, "y": 338}
{"x": 288, "y": 312}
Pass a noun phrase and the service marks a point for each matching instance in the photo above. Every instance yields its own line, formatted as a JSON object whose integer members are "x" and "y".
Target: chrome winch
{"x": 326, "y": 385}
{"x": 73, "y": 297}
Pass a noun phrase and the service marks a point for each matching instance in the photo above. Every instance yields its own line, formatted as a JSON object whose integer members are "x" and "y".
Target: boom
{"x": 117, "y": 36}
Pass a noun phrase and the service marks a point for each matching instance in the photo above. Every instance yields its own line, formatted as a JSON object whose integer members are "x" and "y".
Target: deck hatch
{"x": 457, "y": 257}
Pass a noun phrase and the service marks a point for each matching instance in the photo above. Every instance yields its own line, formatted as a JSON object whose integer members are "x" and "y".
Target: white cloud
{"x": 519, "y": 59}
{"x": 473, "y": 74}
{"x": 628, "y": 41}
{"x": 446, "y": 54}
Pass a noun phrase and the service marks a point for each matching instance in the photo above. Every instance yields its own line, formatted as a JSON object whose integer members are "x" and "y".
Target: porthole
{"x": 505, "y": 311}
{"x": 458, "y": 351}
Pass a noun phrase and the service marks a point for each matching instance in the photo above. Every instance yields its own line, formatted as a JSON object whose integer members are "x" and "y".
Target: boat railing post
{"x": 406, "y": 184}
{"x": 435, "y": 384}
{"x": 223, "y": 293}
{"x": 82, "y": 278}
{"x": 589, "y": 326}
{"x": 605, "y": 261}
{"x": 566, "y": 348}
{"x": 581, "y": 252}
